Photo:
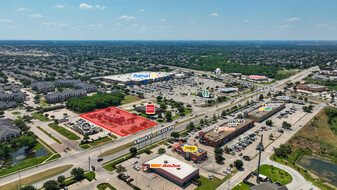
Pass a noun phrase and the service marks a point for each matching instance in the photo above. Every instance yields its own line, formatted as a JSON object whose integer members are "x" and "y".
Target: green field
{"x": 36, "y": 177}
{"x": 63, "y": 131}
{"x": 84, "y": 146}
{"x": 49, "y": 135}
{"x": 130, "y": 99}
{"x": 276, "y": 174}
{"x": 40, "y": 117}
{"x": 242, "y": 186}
{"x": 16, "y": 113}
{"x": 207, "y": 184}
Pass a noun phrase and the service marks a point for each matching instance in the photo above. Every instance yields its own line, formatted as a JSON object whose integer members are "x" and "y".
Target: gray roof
{"x": 7, "y": 127}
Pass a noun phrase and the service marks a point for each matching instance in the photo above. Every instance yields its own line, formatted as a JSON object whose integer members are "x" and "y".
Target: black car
{"x": 99, "y": 159}
{"x": 247, "y": 158}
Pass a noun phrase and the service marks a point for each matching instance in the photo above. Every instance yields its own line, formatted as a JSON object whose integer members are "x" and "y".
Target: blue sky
{"x": 168, "y": 20}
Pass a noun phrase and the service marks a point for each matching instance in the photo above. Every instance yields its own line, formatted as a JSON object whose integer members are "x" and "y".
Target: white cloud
{"x": 4, "y": 21}
{"x": 162, "y": 20}
{"x": 284, "y": 26}
{"x": 141, "y": 10}
{"x": 293, "y": 19}
{"x": 23, "y": 9}
{"x": 36, "y": 15}
{"x": 192, "y": 21}
{"x": 100, "y": 7}
{"x": 118, "y": 24}
{"x": 213, "y": 14}
{"x": 85, "y": 6}
{"x": 246, "y": 21}
{"x": 60, "y": 6}
{"x": 55, "y": 24}
{"x": 134, "y": 25}
{"x": 126, "y": 17}
{"x": 321, "y": 25}
{"x": 163, "y": 26}
{"x": 96, "y": 26}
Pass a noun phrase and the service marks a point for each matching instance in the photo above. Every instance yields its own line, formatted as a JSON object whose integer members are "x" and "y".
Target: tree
{"x": 190, "y": 127}
{"x": 308, "y": 108}
{"x": 61, "y": 179}
{"x": 46, "y": 115}
{"x": 223, "y": 113}
{"x": 271, "y": 136}
{"x": 86, "y": 138}
{"x": 283, "y": 151}
{"x": 52, "y": 116}
{"x": 269, "y": 122}
{"x": 4, "y": 150}
{"x": 175, "y": 135}
{"x": 201, "y": 121}
{"x": 269, "y": 94}
{"x": 238, "y": 164}
{"x": 261, "y": 97}
{"x": 78, "y": 173}
{"x": 2, "y": 112}
{"x": 163, "y": 106}
{"x": 218, "y": 150}
{"x": 51, "y": 185}
{"x": 28, "y": 187}
{"x": 219, "y": 158}
{"x": 286, "y": 125}
{"x": 168, "y": 116}
{"x": 133, "y": 150}
{"x": 227, "y": 150}
{"x": 305, "y": 99}
{"x": 159, "y": 98}
{"x": 120, "y": 169}
{"x": 295, "y": 88}
{"x": 161, "y": 150}
{"x": 214, "y": 117}
{"x": 28, "y": 141}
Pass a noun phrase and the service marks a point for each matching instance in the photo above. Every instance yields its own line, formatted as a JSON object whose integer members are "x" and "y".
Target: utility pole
{"x": 19, "y": 175}
{"x": 89, "y": 162}
{"x": 260, "y": 148}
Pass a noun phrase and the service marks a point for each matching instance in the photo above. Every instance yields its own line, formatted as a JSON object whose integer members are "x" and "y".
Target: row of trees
{"x": 96, "y": 101}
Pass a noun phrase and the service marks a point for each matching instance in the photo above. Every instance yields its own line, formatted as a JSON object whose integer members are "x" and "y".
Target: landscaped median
{"x": 63, "y": 131}
{"x": 97, "y": 142}
{"x": 48, "y": 134}
{"x": 105, "y": 186}
{"x": 36, "y": 177}
{"x": 40, "y": 117}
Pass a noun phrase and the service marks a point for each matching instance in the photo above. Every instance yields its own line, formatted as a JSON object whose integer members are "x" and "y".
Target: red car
{"x": 131, "y": 179}
{"x": 238, "y": 149}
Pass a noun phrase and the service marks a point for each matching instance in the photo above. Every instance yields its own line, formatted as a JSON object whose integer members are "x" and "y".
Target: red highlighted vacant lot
{"x": 118, "y": 121}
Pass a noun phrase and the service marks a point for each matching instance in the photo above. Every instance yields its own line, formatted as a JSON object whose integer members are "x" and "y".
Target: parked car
{"x": 247, "y": 158}
{"x": 131, "y": 179}
{"x": 210, "y": 176}
{"x": 134, "y": 162}
{"x": 126, "y": 176}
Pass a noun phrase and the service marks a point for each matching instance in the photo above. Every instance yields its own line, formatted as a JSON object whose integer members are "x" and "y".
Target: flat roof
{"x": 144, "y": 75}
{"x": 259, "y": 113}
{"x": 184, "y": 171}
{"x": 215, "y": 136}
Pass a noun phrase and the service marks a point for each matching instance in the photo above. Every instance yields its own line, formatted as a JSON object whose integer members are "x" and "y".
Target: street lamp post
{"x": 89, "y": 162}
{"x": 19, "y": 175}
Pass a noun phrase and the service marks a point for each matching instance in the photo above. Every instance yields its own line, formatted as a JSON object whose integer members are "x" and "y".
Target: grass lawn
{"x": 207, "y": 184}
{"x": 241, "y": 186}
{"x": 49, "y": 135}
{"x": 16, "y": 113}
{"x": 99, "y": 142}
{"x": 117, "y": 149}
{"x": 175, "y": 117}
{"x": 85, "y": 146}
{"x": 43, "y": 103}
{"x": 276, "y": 174}
{"x": 40, "y": 117}
{"x": 37, "y": 177}
{"x": 63, "y": 131}
{"x": 90, "y": 175}
{"x": 47, "y": 145}
{"x": 187, "y": 111}
{"x": 130, "y": 99}
{"x": 104, "y": 186}
{"x": 55, "y": 156}
{"x": 143, "y": 115}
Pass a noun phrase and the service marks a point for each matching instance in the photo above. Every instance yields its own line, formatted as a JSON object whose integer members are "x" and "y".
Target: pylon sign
{"x": 205, "y": 93}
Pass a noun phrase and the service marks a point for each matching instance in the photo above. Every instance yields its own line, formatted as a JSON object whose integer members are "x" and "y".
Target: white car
{"x": 134, "y": 162}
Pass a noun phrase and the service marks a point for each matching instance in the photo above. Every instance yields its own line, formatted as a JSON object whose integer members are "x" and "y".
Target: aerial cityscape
{"x": 168, "y": 95}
